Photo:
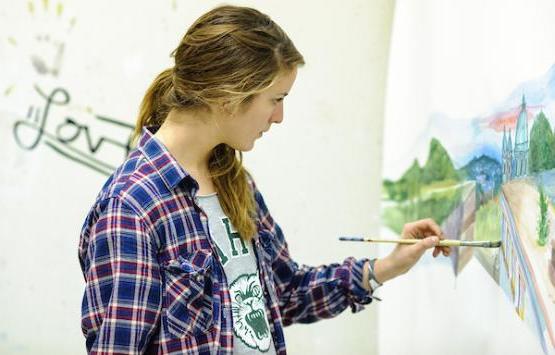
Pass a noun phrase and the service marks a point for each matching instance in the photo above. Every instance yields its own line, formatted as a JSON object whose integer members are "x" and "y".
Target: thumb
{"x": 427, "y": 243}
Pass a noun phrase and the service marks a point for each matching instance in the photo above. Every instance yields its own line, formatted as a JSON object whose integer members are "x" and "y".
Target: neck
{"x": 190, "y": 138}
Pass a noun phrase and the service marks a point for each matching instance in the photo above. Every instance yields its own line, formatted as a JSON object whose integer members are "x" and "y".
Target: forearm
{"x": 313, "y": 293}
{"x": 401, "y": 259}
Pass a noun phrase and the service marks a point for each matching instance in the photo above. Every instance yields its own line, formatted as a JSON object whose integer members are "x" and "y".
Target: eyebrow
{"x": 284, "y": 94}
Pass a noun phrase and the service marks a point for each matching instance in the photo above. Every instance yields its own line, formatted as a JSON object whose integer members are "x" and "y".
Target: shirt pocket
{"x": 188, "y": 294}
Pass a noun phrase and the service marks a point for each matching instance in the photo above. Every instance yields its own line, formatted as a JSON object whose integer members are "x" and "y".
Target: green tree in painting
{"x": 412, "y": 179}
{"x": 439, "y": 166}
{"x": 422, "y": 192}
{"x": 543, "y": 221}
{"x": 389, "y": 188}
{"x": 542, "y": 145}
{"x": 408, "y": 186}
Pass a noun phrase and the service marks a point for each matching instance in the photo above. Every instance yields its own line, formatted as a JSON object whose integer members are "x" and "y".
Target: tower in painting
{"x": 515, "y": 159}
{"x": 507, "y": 153}
{"x": 520, "y": 154}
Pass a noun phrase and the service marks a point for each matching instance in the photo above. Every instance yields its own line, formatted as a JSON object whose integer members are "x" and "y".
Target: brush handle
{"x": 442, "y": 243}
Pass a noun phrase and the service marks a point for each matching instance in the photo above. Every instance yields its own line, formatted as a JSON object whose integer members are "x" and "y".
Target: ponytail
{"x": 155, "y": 105}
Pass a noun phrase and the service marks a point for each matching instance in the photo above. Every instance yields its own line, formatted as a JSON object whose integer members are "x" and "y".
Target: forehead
{"x": 283, "y": 83}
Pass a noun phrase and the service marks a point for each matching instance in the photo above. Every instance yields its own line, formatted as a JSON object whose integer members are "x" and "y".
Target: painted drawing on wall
{"x": 499, "y": 185}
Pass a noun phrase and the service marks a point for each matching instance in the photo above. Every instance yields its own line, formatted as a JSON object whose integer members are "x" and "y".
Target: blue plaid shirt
{"x": 154, "y": 283}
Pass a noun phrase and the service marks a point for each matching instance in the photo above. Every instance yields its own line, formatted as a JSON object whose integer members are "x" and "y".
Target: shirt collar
{"x": 161, "y": 159}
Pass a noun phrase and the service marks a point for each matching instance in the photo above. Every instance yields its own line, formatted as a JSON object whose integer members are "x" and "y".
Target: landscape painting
{"x": 491, "y": 177}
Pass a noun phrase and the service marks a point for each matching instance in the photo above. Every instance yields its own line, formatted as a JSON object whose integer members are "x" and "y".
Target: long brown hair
{"x": 229, "y": 55}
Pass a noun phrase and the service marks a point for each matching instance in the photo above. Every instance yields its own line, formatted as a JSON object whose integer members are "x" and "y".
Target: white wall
{"x": 325, "y": 156}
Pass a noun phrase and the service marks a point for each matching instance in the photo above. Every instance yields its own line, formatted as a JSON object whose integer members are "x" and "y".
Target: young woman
{"x": 179, "y": 252}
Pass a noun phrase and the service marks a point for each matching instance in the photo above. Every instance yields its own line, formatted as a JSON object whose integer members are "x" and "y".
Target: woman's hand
{"x": 403, "y": 257}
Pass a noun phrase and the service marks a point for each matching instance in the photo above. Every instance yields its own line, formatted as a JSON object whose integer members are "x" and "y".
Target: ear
{"x": 226, "y": 109}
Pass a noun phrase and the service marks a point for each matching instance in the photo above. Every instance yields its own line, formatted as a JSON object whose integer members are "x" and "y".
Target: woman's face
{"x": 241, "y": 130}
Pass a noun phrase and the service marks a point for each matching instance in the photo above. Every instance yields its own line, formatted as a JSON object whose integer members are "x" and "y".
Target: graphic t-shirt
{"x": 250, "y": 321}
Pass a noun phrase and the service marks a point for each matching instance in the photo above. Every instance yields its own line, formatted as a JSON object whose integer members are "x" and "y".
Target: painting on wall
{"x": 469, "y": 141}
{"x": 501, "y": 187}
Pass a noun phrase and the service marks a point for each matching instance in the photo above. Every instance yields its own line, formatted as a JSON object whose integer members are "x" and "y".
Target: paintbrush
{"x": 442, "y": 243}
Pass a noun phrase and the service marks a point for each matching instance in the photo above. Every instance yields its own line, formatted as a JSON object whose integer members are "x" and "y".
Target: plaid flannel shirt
{"x": 154, "y": 283}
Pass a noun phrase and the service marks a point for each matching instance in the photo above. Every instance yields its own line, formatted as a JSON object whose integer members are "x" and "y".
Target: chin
{"x": 247, "y": 149}
{"x": 243, "y": 147}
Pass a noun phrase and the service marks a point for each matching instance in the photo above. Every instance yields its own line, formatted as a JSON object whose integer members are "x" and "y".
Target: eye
{"x": 256, "y": 291}
{"x": 278, "y": 100}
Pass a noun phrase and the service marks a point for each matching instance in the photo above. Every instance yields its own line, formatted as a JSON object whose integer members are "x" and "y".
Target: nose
{"x": 277, "y": 116}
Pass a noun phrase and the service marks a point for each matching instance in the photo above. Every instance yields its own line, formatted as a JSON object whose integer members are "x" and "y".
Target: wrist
{"x": 383, "y": 270}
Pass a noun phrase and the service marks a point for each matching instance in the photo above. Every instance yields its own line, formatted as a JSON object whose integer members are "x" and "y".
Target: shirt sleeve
{"x": 308, "y": 293}
{"x": 122, "y": 300}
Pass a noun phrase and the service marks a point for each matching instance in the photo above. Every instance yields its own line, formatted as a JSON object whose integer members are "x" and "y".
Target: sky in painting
{"x": 459, "y": 75}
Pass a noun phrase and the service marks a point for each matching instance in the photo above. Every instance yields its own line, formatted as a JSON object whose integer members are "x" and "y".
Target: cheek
{"x": 271, "y": 112}
{"x": 259, "y": 120}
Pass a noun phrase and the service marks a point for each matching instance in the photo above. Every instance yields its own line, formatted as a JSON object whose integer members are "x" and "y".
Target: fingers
{"x": 437, "y": 230}
{"x": 446, "y": 251}
{"x": 432, "y": 226}
{"x": 426, "y": 243}
{"x": 422, "y": 228}
{"x": 430, "y": 242}
{"x": 426, "y": 228}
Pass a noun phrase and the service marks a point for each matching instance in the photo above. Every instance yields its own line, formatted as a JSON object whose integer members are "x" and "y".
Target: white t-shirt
{"x": 251, "y": 329}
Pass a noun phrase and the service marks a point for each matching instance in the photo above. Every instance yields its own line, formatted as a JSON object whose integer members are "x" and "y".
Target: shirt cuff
{"x": 358, "y": 295}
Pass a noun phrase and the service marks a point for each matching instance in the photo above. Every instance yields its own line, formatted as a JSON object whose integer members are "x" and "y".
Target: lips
{"x": 262, "y": 132}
